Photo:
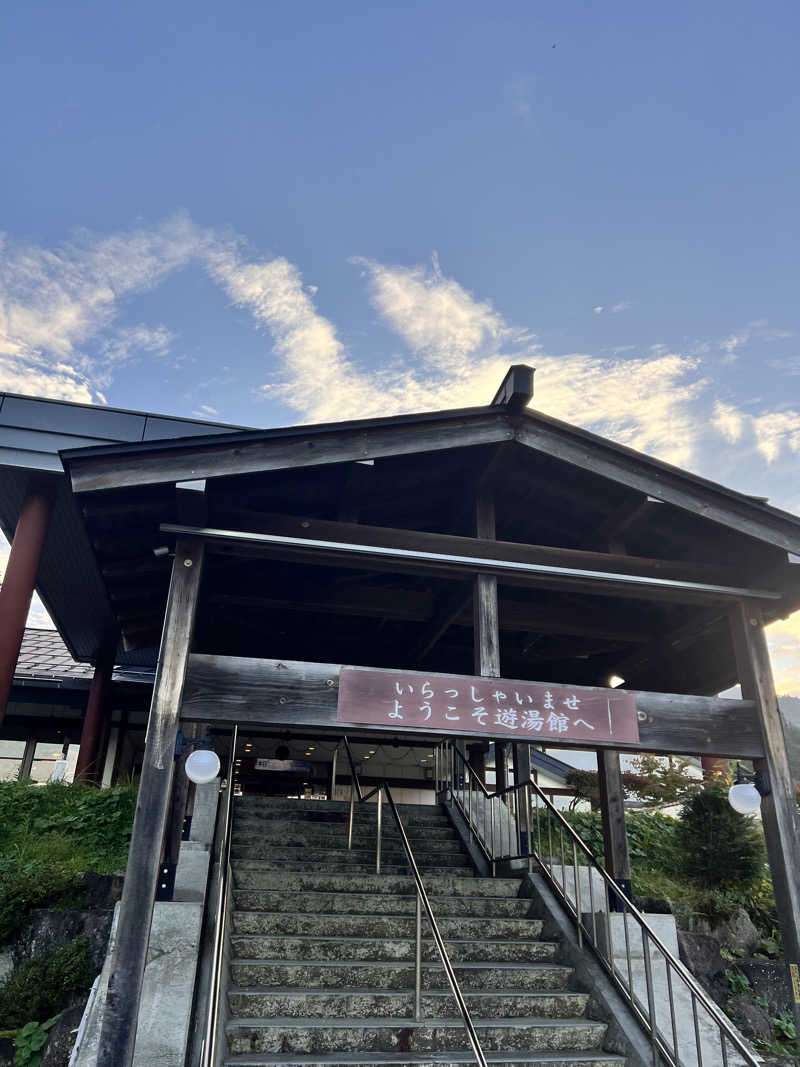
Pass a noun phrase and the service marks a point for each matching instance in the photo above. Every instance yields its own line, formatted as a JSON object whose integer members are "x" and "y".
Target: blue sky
{"x": 274, "y": 212}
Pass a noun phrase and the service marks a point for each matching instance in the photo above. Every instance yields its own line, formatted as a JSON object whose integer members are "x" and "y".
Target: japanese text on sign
{"x": 486, "y": 705}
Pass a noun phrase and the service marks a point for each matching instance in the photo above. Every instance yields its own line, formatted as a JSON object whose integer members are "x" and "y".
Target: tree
{"x": 719, "y": 848}
{"x": 655, "y": 780}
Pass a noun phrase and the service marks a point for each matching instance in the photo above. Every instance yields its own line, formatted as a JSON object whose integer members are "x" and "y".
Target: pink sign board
{"x": 492, "y": 706}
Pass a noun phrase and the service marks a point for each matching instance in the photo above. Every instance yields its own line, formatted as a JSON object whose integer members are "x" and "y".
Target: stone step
{"x": 363, "y": 815}
{"x": 264, "y": 850}
{"x": 292, "y": 804}
{"x": 448, "y": 884}
{"x": 303, "y": 924}
{"x": 259, "y": 947}
{"x": 473, "y": 977}
{"x": 352, "y": 903}
{"x": 430, "y": 1059}
{"x": 284, "y": 836}
{"x": 358, "y": 1004}
{"x": 308, "y": 829}
{"x": 280, "y": 1035}
{"x": 250, "y": 877}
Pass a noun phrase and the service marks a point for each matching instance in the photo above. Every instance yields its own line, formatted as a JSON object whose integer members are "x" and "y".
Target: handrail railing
{"x": 521, "y": 804}
{"x": 209, "y": 1046}
{"x": 422, "y": 901}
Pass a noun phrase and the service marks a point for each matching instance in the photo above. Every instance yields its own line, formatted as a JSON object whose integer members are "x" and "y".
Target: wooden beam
{"x": 251, "y": 453}
{"x": 482, "y": 547}
{"x": 286, "y": 692}
{"x": 118, "y": 1033}
{"x": 453, "y": 608}
{"x": 403, "y": 559}
{"x": 670, "y": 484}
{"x": 779, "y": 808}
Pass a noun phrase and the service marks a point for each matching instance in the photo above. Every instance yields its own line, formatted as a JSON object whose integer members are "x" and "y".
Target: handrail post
{"x": 208, "y": 1046}
{"x": 352, "y": 813}
{"x": 418, "y": 963}
{"x": 378, "y": 844}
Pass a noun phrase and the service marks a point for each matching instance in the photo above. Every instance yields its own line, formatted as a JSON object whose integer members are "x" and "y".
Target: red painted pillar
{"x": 714, "y": 767}
{"x": 86, "y": 767}
{"x": 19, "y": 580}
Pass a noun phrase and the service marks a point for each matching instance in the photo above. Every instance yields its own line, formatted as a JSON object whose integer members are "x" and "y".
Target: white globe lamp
{"x": 744, "y": 798}
{"x": 202, "y": 766}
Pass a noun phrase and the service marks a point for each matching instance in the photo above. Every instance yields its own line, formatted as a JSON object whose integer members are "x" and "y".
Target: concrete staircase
{"x": 322, "y": 950}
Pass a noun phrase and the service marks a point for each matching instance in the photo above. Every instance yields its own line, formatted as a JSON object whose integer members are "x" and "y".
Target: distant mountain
{"x": 790, "y": 708}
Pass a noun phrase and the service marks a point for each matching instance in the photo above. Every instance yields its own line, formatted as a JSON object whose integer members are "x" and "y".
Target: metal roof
{"x": 33, "y": 430}
{"x": 44, "y": 660}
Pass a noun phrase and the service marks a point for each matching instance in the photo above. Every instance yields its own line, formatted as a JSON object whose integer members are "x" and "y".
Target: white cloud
{"x": 772, "y": 433}
{"x": 598, "y": 310}
{"x": 728, "y": 421}
{"x": 52, "y": 302}
{"x": 623, "y": 305}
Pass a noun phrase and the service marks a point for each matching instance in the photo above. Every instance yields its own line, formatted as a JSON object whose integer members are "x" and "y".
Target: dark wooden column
{"x": 612, "y": 809}
{"x": 87, "y": 768}
{"x": 476, "y": 754}
{"x": 501, "y": 765}
{"x": 778, "y": 808}
{"x": 118, "y": 1034}
{"x": 19, "y": 580}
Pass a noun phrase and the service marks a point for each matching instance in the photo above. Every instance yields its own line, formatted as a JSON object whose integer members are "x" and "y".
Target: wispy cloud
{"x": 771, "y": 434}
{"x": 54, "y": 301}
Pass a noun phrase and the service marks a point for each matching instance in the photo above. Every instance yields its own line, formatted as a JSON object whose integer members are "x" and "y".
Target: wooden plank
{"x": 287, "y": 692}
{"x": 118, "y": 1034}
{"x": 249, "y": 454}
{"x": 612, "y": 810}
{"x": 778, "y": 809}
{"x": 670, "y": 484}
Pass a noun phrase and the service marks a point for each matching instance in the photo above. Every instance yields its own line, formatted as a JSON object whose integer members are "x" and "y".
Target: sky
{"x": 270, "y": 213}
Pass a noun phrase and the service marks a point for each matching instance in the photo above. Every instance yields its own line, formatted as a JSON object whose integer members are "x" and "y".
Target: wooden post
{"x": 522, "y": 773}
{"x": 26, "y": 766}
{"x": 501, "y": 765}
{"x": 173, "y": 834}
{"x": 19, "y": 580}
{"x": 612, "y": 809}
{"x": 118, "y": 1033}
{"x": 778, "y": 808}
{"x": 476, "y": 755}
{"x": 87, "y": 766}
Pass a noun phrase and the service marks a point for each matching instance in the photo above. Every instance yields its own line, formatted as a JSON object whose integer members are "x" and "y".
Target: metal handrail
{"x": 422, "y": 901}
{"x": 614, "y": 893}
{"x": 209, "y": 1046}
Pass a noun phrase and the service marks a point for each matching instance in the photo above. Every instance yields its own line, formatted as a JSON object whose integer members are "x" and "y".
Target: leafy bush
{"x": 719, "y": 848}
{"x": 38, "y": 989}
{"x": 30, "y": 1042}
{"x": 52, "y": 835}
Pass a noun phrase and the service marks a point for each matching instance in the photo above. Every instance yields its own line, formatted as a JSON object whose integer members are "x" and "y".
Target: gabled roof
{"x": 229, "y": 454}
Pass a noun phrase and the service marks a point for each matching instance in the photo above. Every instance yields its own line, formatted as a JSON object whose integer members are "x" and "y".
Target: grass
{"x": 52, "y": 836}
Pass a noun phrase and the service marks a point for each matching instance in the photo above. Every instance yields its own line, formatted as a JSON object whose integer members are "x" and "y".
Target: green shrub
{"x": 52, "y": 835}
{"x": 719, "y": 848}
{"x": 38, "y": 989}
